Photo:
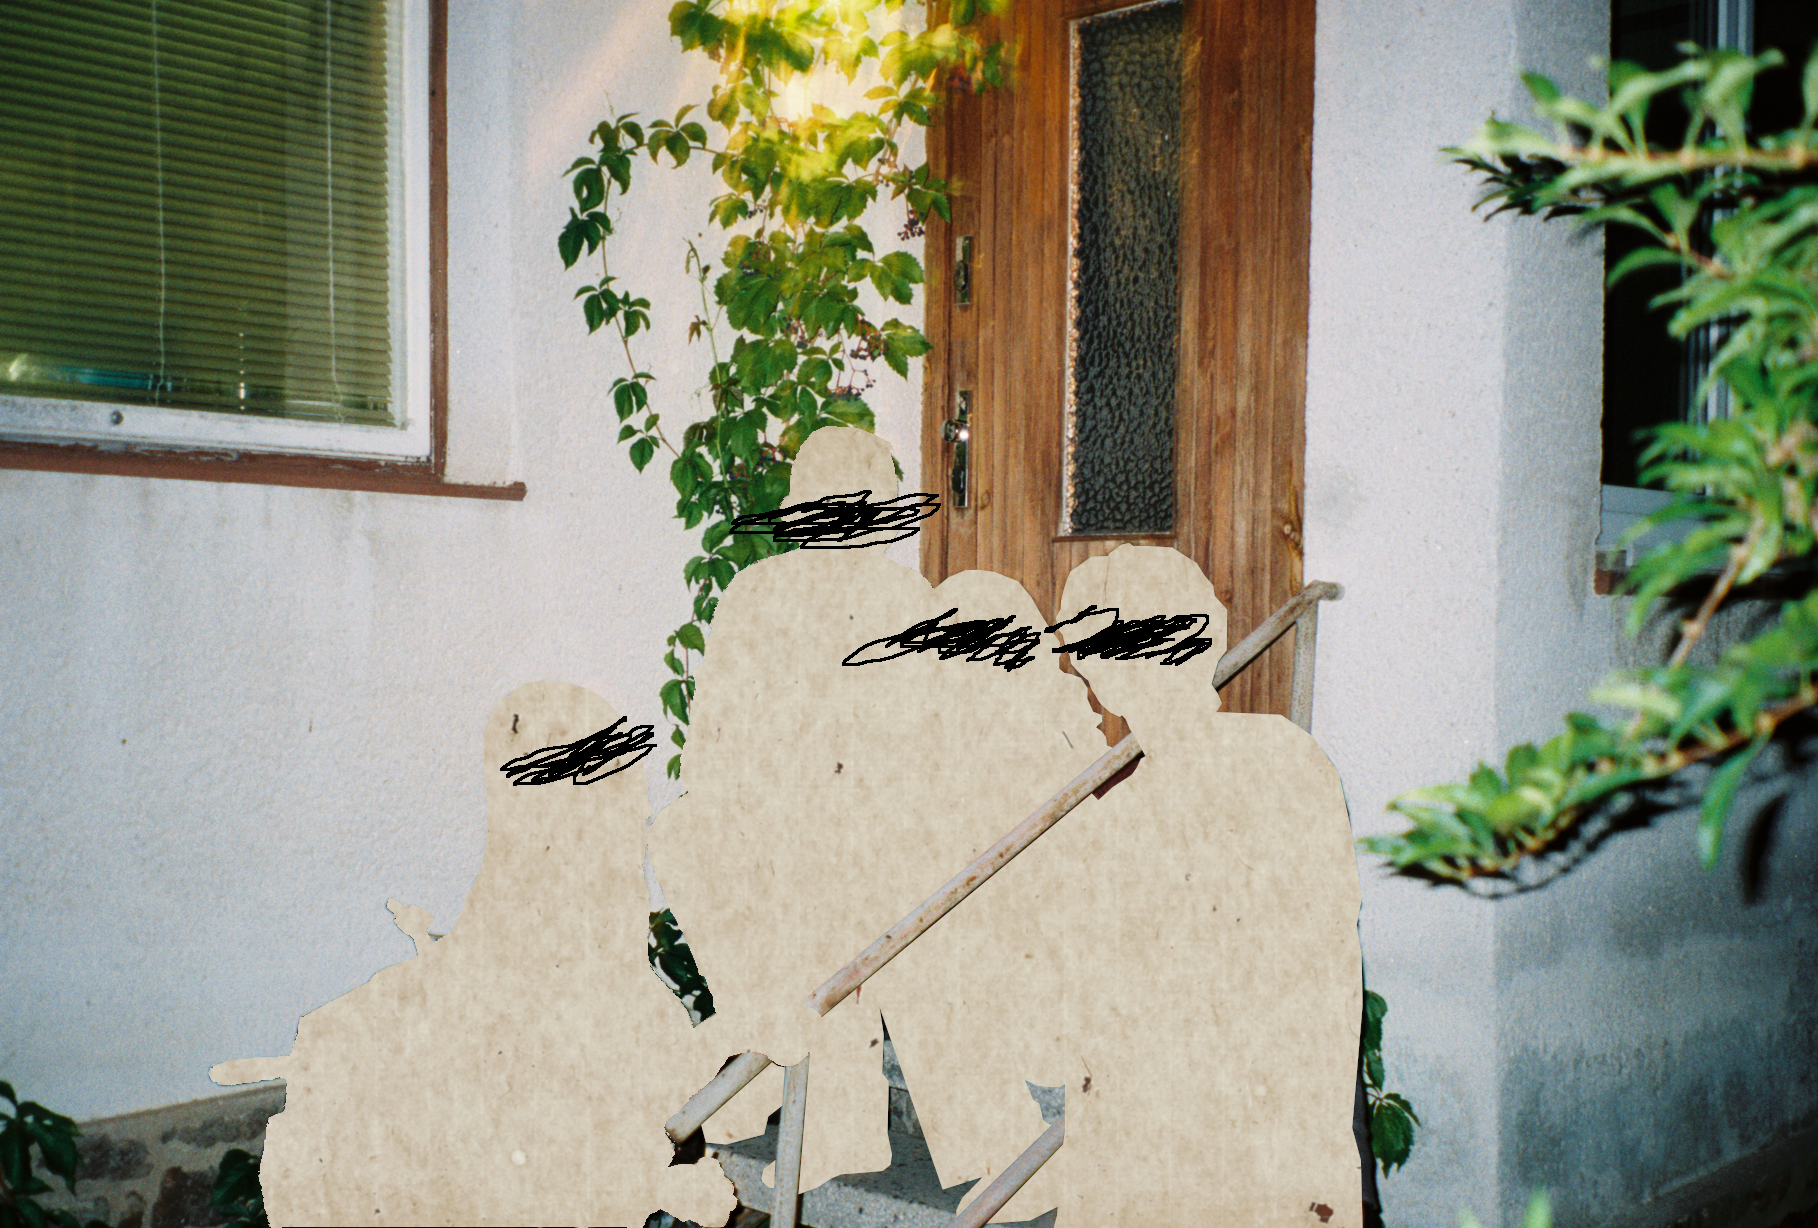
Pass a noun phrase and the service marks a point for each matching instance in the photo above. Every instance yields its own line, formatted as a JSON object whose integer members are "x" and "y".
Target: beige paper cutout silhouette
{"x": 1211, "y": 973}
{"x": 519, "y": 1070}
{"x": 1119, "y": 929}
{"x": 825, "y": 800}
{"x": 1181, "y": 955}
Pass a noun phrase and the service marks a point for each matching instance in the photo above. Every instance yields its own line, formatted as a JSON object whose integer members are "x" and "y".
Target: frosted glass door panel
{"x": 1124, "y": 305}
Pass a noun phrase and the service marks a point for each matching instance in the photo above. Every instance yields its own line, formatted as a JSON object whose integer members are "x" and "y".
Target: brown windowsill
{"x": 1789, "y": 580}
{"x": 205, "y": 466}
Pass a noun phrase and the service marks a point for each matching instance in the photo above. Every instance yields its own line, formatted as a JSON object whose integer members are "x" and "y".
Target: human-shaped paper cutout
{"x": 826, "y": 800}
{"x": 1181, "y": 955}
{"x": 519, "y": 1070}
{"x": 1211, "y": 976}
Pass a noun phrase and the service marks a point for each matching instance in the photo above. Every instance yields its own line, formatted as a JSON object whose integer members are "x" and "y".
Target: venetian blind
{"x": 194, "y": 205}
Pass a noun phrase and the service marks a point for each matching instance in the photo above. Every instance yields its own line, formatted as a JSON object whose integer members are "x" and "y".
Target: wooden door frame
{"x": 1240, "y": 441}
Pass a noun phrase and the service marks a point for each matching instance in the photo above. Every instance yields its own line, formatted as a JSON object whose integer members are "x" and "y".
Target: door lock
{"x": 957, "y": 431}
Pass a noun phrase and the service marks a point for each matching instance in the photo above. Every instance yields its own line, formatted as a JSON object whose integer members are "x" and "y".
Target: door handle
{"x": 957, "y": 431}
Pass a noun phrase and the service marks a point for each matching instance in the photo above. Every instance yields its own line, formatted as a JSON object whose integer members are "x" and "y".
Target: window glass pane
{"x": 1648, "y": 377}
{"x": 1124, "y": 314}
{"x": 194, "y": 211}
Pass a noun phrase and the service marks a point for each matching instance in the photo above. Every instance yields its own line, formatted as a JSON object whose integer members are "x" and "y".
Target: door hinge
{"x": 962, "y": 272}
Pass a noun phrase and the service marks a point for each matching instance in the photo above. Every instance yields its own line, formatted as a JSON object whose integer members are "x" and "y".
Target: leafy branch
{"x": 237, "y": 1197}
{"x": 1747, "y": 485}
{"x": 30, "y": 1125}
{"x": 1392, "y": 1118}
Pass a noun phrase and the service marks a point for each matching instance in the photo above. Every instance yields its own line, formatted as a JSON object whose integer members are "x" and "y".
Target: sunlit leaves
{"x": 798, "y": 266}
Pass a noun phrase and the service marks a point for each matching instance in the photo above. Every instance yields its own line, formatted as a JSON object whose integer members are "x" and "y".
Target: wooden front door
{"x": 1239, "y": 365}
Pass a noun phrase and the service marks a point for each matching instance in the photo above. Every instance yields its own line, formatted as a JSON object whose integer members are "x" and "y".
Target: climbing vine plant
{"x": 798, "y": 183}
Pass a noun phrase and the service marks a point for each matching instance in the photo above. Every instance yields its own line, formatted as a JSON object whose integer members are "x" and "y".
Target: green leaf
{"x": 641, "y": 452}
{"x": 1809, "y": 89}
{"x": 1641, "y": 258}
{"x": 690, "y": 636}
{"x": 674, "y": 699}
{"x": 1717, "y": 798}
{"x": 58, "y": 1149}
{"x": 1391, "y": 1133}
{"x": 1542, "y": 88}
{"x": 1522, "y": 760}
{"x": 683, "y": 474}
{"x": 571, "y": 240}
{"x": 590, "y": 189}
{"x": 852, "y": 411}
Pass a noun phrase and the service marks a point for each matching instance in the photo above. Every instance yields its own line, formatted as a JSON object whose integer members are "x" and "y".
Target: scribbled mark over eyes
{"x": 1173, "y": 639}
{"x": 994, "y": 641}
{"x": 584, "y": 761}
{"x": 843, "y": 522}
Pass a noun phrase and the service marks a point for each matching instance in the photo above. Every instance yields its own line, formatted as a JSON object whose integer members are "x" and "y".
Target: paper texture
{"x": 1180, "y": 955}
{"x": 519, "y": 1070}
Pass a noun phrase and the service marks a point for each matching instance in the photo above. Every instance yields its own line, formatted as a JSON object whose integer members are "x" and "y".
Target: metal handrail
{"x": 1302, "y": 613}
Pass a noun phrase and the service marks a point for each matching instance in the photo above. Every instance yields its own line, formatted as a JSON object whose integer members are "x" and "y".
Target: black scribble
{"x": 843, "y": 522}
{"x": 994, "y": 641}
{"x": 583, "y": 761}
{"x": 1173, "y": 639}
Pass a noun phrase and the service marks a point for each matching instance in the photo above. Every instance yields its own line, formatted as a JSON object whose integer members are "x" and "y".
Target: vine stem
{"x": 1793, "y": 158}
{"x": 618, "y": 323}
{"x": 1693, "y": 630}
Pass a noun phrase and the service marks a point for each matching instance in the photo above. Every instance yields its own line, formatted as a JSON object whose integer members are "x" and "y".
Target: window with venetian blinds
{"x": 197, "y": 209}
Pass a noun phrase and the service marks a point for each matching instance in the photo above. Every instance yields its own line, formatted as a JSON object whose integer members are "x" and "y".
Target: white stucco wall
{"x": 1406, "y": 399}
{"x": 244, "y": 716}
{"x": 248, "y": 715}
{"x": 1590, "y": 1037}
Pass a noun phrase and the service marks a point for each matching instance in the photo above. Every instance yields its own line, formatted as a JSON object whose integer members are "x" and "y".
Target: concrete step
{"x": 908, "y": 1194}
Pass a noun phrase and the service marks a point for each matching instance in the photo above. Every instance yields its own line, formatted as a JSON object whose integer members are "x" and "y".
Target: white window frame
{"x": 56, "y": 421}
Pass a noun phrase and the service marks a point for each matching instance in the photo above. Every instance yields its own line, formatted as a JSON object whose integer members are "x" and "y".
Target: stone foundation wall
{"x": 156, "y": 1168}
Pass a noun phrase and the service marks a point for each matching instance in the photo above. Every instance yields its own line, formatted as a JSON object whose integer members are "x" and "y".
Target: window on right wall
{"x": 1649, "y": 378}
